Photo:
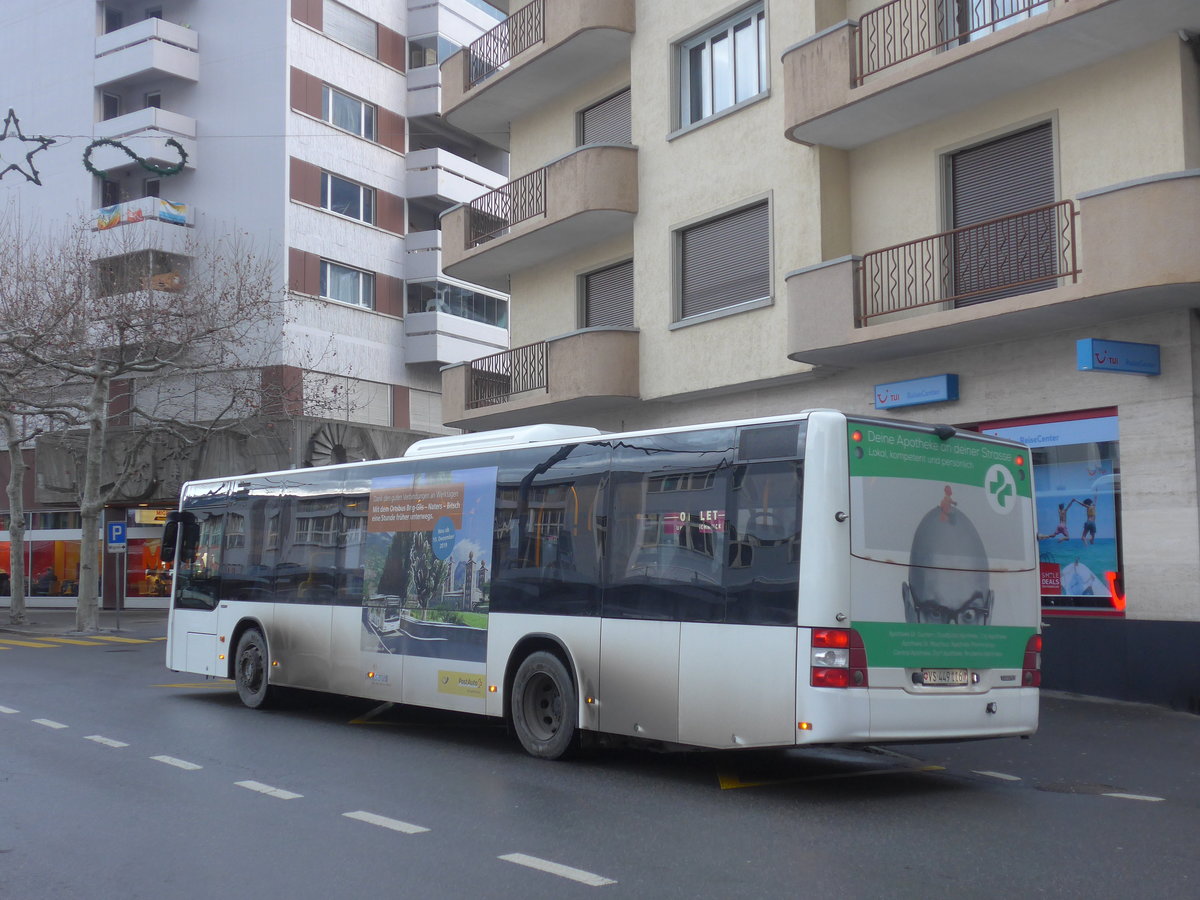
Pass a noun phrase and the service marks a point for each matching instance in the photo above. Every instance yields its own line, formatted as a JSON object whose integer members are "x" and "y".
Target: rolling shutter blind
{"x": 1006, "y": 177}
{"x": 608, "y": 296}
{"x": 726, "y": 261}
{"x": 1003, "y": 177}
{"x": 351, "y": 28}
{"x": 608, "y": 122}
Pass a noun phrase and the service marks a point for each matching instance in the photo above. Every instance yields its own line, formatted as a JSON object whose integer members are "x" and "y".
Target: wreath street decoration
{"x": 11, "y": 122}
{"x": 153, "y": 168}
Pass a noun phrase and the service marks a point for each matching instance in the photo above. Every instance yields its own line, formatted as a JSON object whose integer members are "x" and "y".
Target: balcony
{"x": 579, "y": 200}
{"x": 424, "y": 92}
{"x": 563, "y": 378}
{"x": 147, "y": 50}
{"x": 902, "y": 64}
{"x": 150, "y": 223}
{"x": 146, "y": 133}
{"x": 1128, "y": 251}
{"x": 438, "y": 337}
{"x": 542, "y": 51}
{"x": 423, "y": 255}
{"x": 447, "y": 176}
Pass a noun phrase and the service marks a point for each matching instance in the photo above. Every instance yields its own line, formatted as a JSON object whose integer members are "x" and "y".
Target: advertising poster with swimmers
{"x": 428, "y": 559}
{"x": 944, "y": 568}
{"x": 1077, "y": 484}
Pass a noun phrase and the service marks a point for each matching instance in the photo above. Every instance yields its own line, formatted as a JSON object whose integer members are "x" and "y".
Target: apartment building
{"x": 977, "y": 213}
{"x": 313, "y": 129}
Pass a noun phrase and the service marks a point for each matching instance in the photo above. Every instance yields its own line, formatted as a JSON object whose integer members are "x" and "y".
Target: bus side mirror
{"x": 180, "y": 533}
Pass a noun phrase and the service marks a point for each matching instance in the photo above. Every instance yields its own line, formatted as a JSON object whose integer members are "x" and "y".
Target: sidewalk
{"x": 129, "y": 622}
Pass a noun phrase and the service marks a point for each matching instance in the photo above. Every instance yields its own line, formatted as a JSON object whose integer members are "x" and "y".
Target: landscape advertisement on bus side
{"x": 427, "y": 560}
{"x": 943, "y": 553}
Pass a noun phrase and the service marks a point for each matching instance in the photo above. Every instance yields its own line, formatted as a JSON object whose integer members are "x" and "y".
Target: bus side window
{"x": 198, "y": 575}
{"x": 545, "y": 547}
{"x": 666, "y": 536}
{"x": 762, "y": 577}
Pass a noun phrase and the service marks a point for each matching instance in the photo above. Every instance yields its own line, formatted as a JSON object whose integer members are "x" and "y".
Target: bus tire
{"x": 251, "y": 670}
{"x": 544, "y": 706}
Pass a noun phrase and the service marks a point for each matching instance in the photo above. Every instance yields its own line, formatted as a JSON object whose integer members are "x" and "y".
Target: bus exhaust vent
{"x": 504, "y": 437}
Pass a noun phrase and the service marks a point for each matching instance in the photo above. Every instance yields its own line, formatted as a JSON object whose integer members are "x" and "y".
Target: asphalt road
{"x": 121, "y": 779}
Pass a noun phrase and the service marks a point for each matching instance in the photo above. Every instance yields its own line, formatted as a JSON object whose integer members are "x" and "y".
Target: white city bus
{"x": 809, "y": 579}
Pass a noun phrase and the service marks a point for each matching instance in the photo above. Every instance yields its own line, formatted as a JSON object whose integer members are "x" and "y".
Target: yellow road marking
{"x": 368, "y": 717}
{"x": 219, "y": 684}
{"x": 119, "y": 640}
{"x": 730, "y": 782}
{"x": 24, "y": 643}
{"x": 71, "y": 641}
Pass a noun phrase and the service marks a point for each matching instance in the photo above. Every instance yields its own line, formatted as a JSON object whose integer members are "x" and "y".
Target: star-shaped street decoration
{"x": 11, "y": 123}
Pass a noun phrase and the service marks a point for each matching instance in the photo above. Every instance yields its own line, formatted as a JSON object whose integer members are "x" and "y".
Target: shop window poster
{"x": 1077, "y": 487}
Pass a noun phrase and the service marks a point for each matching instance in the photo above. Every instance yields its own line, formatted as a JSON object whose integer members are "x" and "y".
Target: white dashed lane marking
{"x": 8, "y": 709}
{"x": 107, "y": 742}
{"x": 1144, "y": 797}
{"x": 268, "y": 790}
{"x": 553, "y": 868}
{"x": 385, "y": 822}
{"x": 999, "y": 775}
{"x": 50, "y": 723}
{"x": 177, "y": 763}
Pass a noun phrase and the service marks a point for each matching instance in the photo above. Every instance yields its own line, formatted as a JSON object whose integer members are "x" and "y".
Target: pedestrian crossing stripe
{"x": 118, "y": 640}
{"x": 57, "y": 640}
{"x": 24, "y": 643}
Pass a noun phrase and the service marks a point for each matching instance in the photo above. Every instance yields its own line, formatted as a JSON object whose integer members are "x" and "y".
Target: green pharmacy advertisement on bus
{"x": 943, "y": 559}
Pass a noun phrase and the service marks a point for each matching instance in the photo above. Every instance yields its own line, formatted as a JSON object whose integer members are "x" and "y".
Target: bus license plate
{"x": 943, "y": 676}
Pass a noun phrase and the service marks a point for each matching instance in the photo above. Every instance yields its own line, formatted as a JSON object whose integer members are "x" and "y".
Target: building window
{"x": 430, "y": 50}
{"x": 347, "y": 198}
{"x": 725, "y": 261}
{"x": 348, "y": 113}
{"x": 1001, "y": 193}
{"x": 350, "y": 28}
{"x": 348, "y": 285}
{"x": 607, "y": 122}
{"x": 153, "y": 100}
{"x": 608, "y": 296}
{"x": 110, "y": 106}
{"x": 723, "y": 66}
{"x": 142, "y": 270}
{"x": 456, "y": 300}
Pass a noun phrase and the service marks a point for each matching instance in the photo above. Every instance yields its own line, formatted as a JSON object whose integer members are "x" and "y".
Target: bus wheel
{"x": 251, "y": 670}
{"x": 544, "y": 707}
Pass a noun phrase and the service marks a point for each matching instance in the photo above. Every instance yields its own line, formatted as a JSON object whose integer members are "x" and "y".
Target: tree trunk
{"x": 16, "y": 520}
{"x": 91, "y": 507}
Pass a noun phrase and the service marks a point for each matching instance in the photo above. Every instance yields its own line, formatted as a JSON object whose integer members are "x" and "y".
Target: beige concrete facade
{"x": 848, "y": 170}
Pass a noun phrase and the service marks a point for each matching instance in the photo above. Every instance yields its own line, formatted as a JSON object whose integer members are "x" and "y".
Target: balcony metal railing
{"x": 493, "y": 50}
{"x": 1016, "y": 254}
{"x": 903, "y": 29}
{"x": 495, "y": 379}
{"x": 497, "y": 211}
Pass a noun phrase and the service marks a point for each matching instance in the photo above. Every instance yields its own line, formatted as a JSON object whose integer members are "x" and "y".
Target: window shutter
{"x": 726, "y": 261}
{"x": 608, "y": 122}
{"x": 391, "y": 48}
{"x": 1001, "y": 178}
{"x": 351, "y": 28}
{"x": 306, "y": 93}
{"x": 305, "y": 182}
{"x": 608, "y": 296}
{"x": 389, "y": 212}
{"x": 308, "y": 12}
{"x": 390, "y": 129}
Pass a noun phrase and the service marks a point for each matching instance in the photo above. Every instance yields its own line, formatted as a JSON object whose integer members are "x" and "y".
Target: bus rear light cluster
{"x": 1031, "y": 668}
{"x": 838, "y": 657}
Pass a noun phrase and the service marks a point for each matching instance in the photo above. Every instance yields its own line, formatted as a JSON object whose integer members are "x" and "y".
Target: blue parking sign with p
{"x": 116, "y": 537}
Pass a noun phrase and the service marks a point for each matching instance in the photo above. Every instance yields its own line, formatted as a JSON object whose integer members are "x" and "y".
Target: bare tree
{"x": 139, "y": 348}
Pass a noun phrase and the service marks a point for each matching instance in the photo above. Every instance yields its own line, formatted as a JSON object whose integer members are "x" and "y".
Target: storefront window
{"x": 147, "y": 576}
{"x": 1077, "y": 480}
{"x": 53, "y": 568}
